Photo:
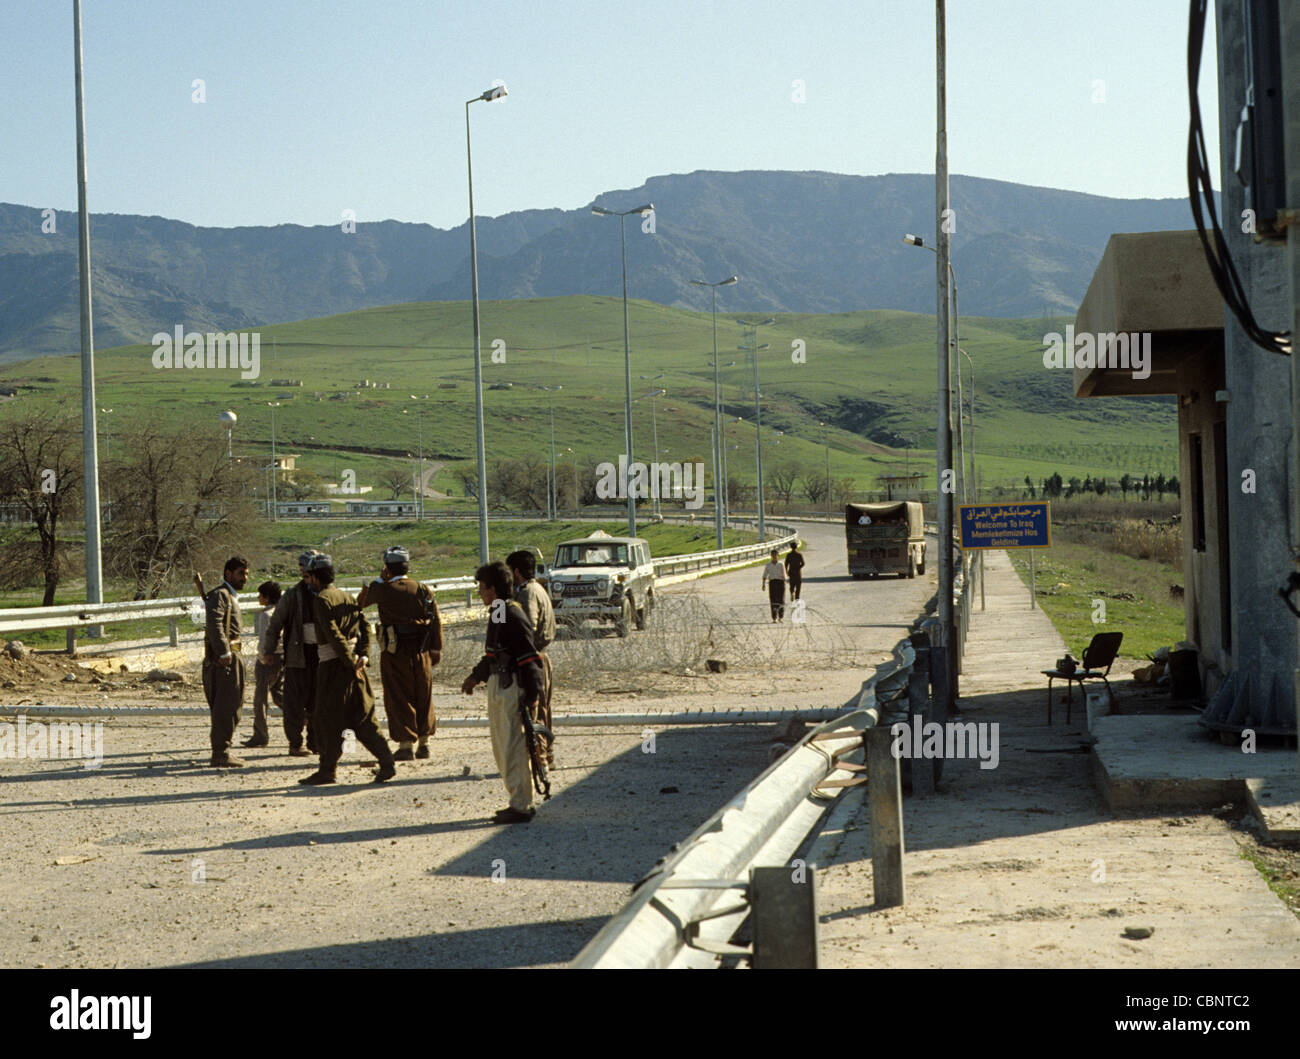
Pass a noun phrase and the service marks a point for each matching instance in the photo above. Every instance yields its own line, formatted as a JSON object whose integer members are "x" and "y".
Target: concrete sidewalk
{"x": 1023, "y": 865}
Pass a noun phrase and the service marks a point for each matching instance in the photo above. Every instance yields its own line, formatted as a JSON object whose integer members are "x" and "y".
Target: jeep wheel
{"x": 911, "y": 566}
{"x": 624, "y": 620}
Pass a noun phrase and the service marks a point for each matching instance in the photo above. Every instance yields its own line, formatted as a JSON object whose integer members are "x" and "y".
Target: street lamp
{"x": 953, "y": 343}
{"x": 419, "y": 497}
{"x": 826, "y": 445}
{"x": 758, "y": 415}
{"x": 627, "y": 353}
{"x": 493, "y": 93}
{"x": 717, "y": 405}
{"x": 553, "y": 491}
{"x": 576, "y": 510}
{"x": 654, "y": 422}
{"x": 275, "y": 474}
{"x": 970, "y": 411}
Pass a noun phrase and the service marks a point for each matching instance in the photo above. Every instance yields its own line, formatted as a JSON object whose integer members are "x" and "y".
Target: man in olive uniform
{"x": 513, "y": 672}
{"x": 293, "y": 618}
{"x": 536, "y": 602}
{"x": 223, "y": 668}
{"x": 343, "y": 696}
{"x": 794, "y": 564}
{"x": 411, "y": 642}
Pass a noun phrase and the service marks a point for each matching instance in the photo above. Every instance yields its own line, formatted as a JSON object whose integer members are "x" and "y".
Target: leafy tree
{"x": 782, "y": 481}
{"x": 1029, "y": 488}
{"x": 1125, "y": 484}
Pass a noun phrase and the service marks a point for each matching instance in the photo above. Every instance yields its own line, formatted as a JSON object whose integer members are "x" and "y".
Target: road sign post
{"x": 1024, "y": 524}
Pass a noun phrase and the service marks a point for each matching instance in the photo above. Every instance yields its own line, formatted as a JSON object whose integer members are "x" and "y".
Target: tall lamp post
{"x": 494, "y": 93}
{"x": 953, "y": 342}
{"x": 718, "y": 489}
{"x": 553, "y": 492}
{"x": 826, "y": 441}
{"x": 970, "y": 412}
{"x": 654, "y": 424}
{"x": 275, "y": 471}
{"x": 758, "y": 416}
{"x": 627, "y": 353}
{"x": 89, "y": 439}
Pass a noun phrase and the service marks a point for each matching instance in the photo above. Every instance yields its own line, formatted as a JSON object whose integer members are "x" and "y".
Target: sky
{"x": 313, "y": 107}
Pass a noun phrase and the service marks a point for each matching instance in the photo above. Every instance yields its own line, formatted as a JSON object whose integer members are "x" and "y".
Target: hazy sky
{"x": 316, "y": 106}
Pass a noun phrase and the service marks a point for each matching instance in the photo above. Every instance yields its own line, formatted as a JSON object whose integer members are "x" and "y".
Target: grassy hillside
{"x": 870, "y": 375}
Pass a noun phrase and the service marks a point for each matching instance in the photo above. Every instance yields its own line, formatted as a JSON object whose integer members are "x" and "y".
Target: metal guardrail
{"x": 673, "y": 919}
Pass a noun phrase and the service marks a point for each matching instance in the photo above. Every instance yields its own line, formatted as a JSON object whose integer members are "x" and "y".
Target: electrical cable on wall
{"x": 1201, "y": 195}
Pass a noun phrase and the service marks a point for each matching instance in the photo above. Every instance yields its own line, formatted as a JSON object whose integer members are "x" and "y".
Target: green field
{"x": 869, "y": 375}
{"x": 1071, "y": 578}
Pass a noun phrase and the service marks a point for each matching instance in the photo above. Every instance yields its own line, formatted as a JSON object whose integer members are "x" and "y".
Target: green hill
{"x": 870, "y": 375}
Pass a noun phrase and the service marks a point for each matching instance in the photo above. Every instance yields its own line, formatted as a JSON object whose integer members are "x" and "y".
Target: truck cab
{"x": 603, "y": 578}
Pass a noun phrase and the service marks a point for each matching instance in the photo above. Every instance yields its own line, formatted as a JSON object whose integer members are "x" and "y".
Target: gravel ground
{"x": 155, "y": 860}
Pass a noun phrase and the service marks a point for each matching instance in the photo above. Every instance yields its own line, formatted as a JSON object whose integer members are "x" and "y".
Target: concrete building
{"x": 1235, "y": 416}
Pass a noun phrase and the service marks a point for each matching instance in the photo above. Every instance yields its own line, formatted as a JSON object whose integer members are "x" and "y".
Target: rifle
{"x": 198, "y": 584}
{"x": 536, "y": 749}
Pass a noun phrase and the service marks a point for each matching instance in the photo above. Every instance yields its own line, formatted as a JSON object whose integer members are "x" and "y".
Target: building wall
{"x": 1258, "y": 414}
{"x": 1209, "y": 622}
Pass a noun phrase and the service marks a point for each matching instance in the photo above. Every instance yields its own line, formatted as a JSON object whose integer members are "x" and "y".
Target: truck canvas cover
{"x": 893, "y": 513}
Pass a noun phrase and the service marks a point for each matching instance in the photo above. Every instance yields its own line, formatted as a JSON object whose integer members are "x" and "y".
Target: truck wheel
{"x": 622, "y": 622}
{"x": 920, "y": 567}
{"x": 643, "y": 615}
{"x": 911, "y": 566}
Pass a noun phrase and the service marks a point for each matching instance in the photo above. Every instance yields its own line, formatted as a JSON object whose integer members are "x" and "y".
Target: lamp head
{"x": 915, "y": 240}
{"x": 494, "y": 93}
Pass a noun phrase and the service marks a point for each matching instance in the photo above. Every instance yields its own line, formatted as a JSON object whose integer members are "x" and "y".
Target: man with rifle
{"x": 511, "y": 668}
{"x": 343, "y": 696}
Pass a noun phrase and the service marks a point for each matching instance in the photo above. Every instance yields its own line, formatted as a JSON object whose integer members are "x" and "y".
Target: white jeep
{"x": 603, "y": 578}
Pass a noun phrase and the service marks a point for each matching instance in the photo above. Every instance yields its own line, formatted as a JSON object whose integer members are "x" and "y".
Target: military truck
{"x": 603, "y": 578}
{"x": 886, "y": 538}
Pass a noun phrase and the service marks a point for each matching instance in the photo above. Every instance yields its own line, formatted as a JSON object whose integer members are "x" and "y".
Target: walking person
{"x": 223, "y": 668}
{"x": 410, "y": 646}
{"x": 269, "y": 676}
{"x": 536, "y": 602}
{"x": 512, "y": 670}
{"x": 343, "y": 695}
{"x": 774, "y": 583}
{"x": 794, "y": 569}
{"x": 294, "y": 622}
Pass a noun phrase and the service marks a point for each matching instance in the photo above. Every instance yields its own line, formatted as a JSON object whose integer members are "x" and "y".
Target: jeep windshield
{"x": 591, "y": 555}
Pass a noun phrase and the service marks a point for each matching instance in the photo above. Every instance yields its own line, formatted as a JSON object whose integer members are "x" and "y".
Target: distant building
{"x": 291, "y": 508}
{"x": 382, "y": 507}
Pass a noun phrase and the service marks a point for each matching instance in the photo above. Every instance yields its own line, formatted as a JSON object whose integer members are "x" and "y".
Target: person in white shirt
{"x": 774, "y": 583}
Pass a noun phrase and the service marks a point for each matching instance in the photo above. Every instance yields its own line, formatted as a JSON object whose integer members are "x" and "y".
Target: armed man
{"x": 513, "y": 671}
{"x": 536, "y": 602}
{"x": 343, "y": 696}
{"x": 410, "y": 633}
{"x": 223, "y": 668}
{"x": 293, "y": 618}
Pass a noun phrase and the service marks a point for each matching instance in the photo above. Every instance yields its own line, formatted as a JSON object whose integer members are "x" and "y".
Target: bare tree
{"x": 40, "y": 470}
{"x": 396, "y": 480}
{"x": 783, "y": 480}
{"x": 815, "y": 487}
{"x": 178, "y": 505}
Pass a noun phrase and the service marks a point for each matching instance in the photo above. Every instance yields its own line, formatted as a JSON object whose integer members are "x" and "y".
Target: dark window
{"x": 1221, "y": 525}
{"x": 1198, "y": 493}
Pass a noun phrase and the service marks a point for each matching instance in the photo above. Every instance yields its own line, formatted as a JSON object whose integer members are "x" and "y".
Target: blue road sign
{"x": 1024, "y": 524}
